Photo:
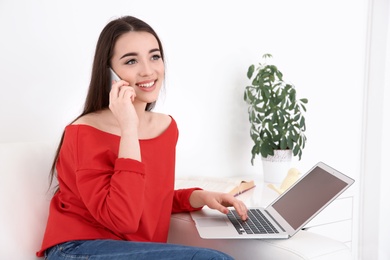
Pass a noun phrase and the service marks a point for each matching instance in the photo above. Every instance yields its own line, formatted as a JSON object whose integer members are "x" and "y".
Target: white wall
{"x": 384, "y": 209}
{"x": 47, "y": 46}
{"x": 374, "y": 226}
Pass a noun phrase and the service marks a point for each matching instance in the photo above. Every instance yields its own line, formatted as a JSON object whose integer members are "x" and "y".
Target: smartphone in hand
{"x": 113, "y": 76}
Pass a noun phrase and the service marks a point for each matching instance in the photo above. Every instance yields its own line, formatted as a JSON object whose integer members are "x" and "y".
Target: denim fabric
{"x": 121, "y": 250}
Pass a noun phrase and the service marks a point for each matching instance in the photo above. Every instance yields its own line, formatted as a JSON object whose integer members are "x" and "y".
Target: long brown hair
{"x": 98, "y": 97}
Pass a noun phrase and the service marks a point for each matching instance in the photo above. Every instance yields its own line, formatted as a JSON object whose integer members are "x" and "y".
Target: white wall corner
{"x": 373, "y": 139}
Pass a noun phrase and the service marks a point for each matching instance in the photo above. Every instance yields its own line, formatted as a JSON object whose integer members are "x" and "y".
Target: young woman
{"x": 115, "y": 164}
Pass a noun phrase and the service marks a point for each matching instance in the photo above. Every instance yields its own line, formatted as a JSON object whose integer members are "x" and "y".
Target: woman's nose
{"x": 145, "y": 69}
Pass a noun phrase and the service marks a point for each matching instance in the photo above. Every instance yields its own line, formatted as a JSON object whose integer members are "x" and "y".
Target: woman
{"x": 116, "y": 161}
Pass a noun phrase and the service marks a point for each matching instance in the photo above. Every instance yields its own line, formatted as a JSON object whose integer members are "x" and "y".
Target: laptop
{"x": 285, "y": 216}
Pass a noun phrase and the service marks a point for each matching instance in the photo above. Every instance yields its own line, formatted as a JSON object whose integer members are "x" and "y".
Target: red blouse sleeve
{"x": 118, "y": 198}
{"x": 181, "y": 201}
{"x": 111, "y": 188}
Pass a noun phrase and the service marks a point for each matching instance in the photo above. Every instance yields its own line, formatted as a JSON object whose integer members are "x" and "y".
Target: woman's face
{"x": 137, "y": 60}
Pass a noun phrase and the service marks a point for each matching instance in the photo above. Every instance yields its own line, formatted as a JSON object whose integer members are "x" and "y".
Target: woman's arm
{"x": 121, "y": 105}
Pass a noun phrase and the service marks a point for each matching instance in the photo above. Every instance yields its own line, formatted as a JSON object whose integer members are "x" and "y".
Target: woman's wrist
{"x": 129, "y": 147}
{"x": 196, "y": 199}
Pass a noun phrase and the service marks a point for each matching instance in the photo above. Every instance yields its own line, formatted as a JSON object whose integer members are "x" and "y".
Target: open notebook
{"x": 285, "y": 216}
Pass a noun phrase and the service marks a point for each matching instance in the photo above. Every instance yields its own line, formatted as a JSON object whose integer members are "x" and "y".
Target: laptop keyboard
{"x": 256, "y": 223}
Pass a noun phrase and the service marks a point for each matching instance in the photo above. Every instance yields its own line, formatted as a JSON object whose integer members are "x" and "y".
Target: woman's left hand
{"x": 219, "y": 201}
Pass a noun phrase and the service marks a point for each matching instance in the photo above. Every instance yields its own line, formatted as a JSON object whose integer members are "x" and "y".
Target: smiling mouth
{"x": 146, "y": 85}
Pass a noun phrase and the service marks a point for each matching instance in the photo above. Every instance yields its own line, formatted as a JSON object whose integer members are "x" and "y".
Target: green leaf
{"x": 279, "y": 74}
{"x": 251, "y": 69}
{"x": 302, "y": 123}
{"x": 266, "y": 150}
{"x": 273, "y": 69}
{"x": 283, "y": 143}
{"x": 296, "y": 150}
{"x": 255, "y": 151}
{"x": 267, "y": 113}
{"x": 293, "y": 95}
{"x": 267, "y": 94}
{"x": 290, "y": 143}
{"x": 272, "y": 78}
{"x": 253, "y": 116}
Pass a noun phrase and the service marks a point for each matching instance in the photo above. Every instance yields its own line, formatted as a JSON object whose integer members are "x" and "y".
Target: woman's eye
{"x": 131, "y": 61}
{"x": 156, "y": 57}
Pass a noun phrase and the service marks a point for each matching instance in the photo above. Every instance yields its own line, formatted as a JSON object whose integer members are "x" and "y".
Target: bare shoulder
{"x": 161, "y": 119}
{"x": 84, "y": 120}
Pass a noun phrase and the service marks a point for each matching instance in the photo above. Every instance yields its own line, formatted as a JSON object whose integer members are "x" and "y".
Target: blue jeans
{"x": 121, "y": 250}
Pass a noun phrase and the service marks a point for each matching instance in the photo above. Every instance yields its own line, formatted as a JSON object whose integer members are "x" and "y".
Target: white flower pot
{"x": 275, "y": 168}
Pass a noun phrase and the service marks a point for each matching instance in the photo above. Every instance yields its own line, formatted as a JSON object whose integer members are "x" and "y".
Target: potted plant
{"x": 276, "y": 115}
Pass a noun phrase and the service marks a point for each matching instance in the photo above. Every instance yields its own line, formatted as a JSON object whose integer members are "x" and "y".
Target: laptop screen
{"x": 308, "y": 196}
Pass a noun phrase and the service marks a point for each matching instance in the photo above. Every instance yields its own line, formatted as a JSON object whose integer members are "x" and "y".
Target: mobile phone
{"x": 113, "y": 76}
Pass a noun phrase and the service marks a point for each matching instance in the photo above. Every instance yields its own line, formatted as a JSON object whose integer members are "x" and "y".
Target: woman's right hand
{"x": 122, "y": 96}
